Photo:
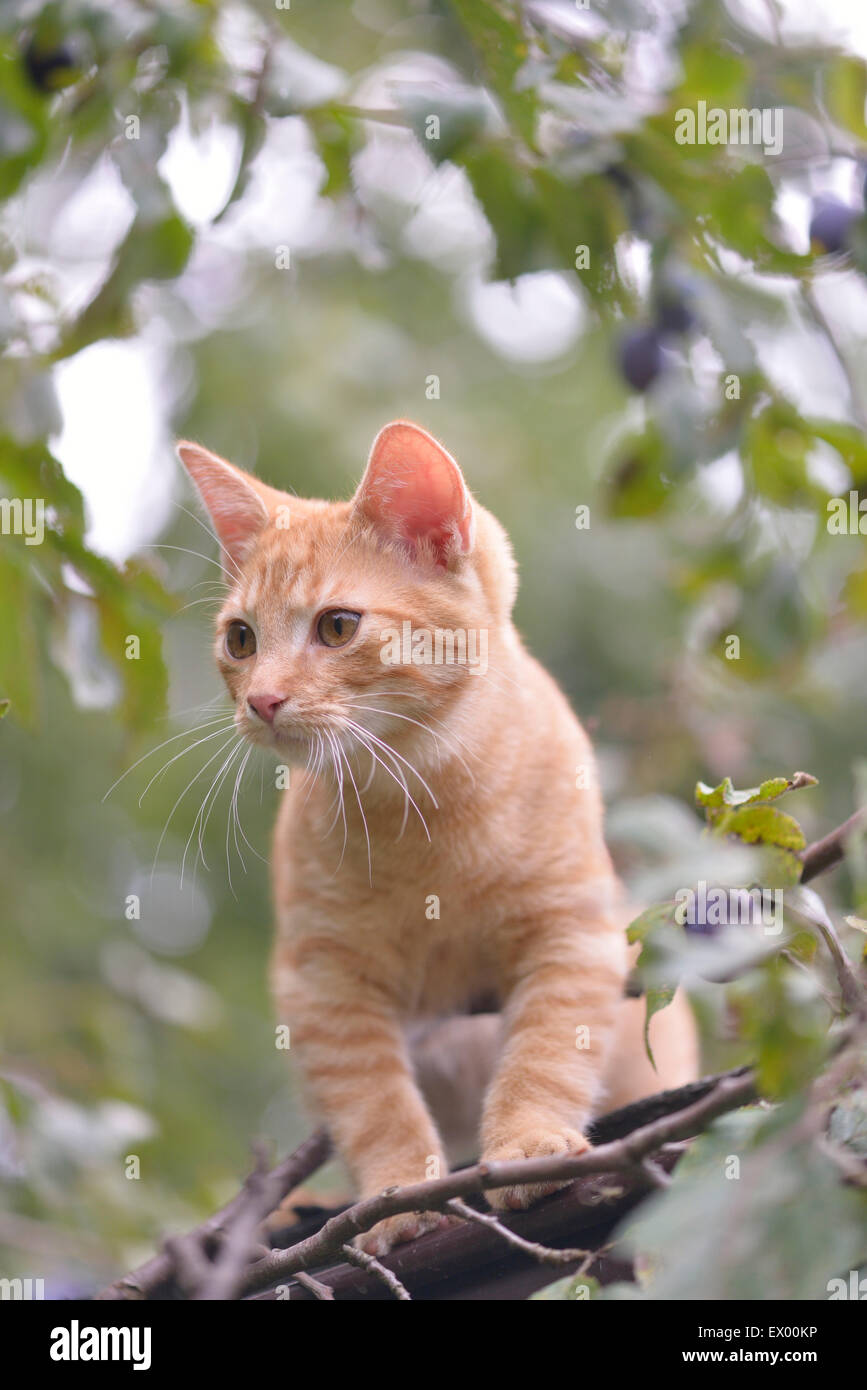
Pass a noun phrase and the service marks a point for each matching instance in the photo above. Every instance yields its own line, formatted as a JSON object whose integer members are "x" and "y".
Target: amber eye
{"x": 337, "y": 627}
{"x": 240, "y": 640}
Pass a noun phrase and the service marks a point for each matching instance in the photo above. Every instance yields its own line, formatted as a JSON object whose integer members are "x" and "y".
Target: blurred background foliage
{"x": 273, "y": 229}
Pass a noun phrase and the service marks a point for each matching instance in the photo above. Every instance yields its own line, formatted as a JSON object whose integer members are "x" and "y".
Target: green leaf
{"x": 19, "y": 648}
{"x": 783, "y": 1020}
{"x": 776, "y": 450}
{"x": 150, "y": 251}
{"x": 714, "y": 798}
{"x": 24, "y": 120}
{"x": 651, "y": 918}
{"x": 847, "y": 440}
{"x": 506, "y": 194}
{"x": 764, "y": 825}
{"x": 251, "y": 124}
{"x": 752, "y": 1213}
{"x": 725, "y": 794}
{"x": 144, "y": 678}
{"x": 845, "y": 90}
{"x": 461, "y": 115}
{"x": 335, "y": 138}
{"x": 638, "y": 485}
{"x": 496, "y": 35}
{"x": 587, "y": 213}
{"x": 657, "y": 997}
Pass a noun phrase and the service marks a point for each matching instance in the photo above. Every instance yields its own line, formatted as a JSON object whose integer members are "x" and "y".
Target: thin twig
{"x": 853, "y": 1168}
{"x": 813, "y": 910}
{"x": 315, "y": 1286}
{"x": 545, "y": 1253}
{"x": 825, "y": 853}
{"x": 188, "y": 1261}
{"x": 656, "y": 1176}
{"x": 373, "y": 1266}
{"x": 224, "y": 1275}
{"x": 143, "y": 1282}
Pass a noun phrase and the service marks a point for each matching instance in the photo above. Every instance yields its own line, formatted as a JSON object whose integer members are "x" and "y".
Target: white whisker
{"x": 353, "y": 704}
{"x": 161, "y": 545}
{"x": 363, "y": 816}
{"x": 201, "y": 818}
{"x": 232, "y": 820}
{"x": 174, "y": 738}
{"x": 213, "y": 535}
{"x": 362, "y": 734}
{"x": 191, "y": 783}
{"x": 224, "y": 724}
{"x": 251, "y": 848}
{"x": 412, "y": 695}
{"x": 338, "y": 768}
{"x": 387, "y": 748}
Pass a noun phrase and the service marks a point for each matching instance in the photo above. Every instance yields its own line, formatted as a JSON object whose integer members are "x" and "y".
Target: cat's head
{"x": 378, "y": 613}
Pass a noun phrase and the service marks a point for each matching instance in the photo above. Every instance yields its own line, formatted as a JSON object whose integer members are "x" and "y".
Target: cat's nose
{"x": 266, "y": 706}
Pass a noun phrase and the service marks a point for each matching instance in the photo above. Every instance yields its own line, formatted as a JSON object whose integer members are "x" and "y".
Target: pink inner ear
{"x": 413, "y": 489}
{"x": 236, "y": 508}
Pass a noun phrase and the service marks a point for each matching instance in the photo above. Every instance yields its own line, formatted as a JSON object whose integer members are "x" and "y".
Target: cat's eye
{"x": 337, "y": 627}
{"x": 240, "y": 640}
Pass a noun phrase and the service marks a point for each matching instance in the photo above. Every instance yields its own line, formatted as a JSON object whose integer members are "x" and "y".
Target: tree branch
{"x": 545, "y": 1253}
{"x": 149, "y": 1279}
{"x": 261, "y": 1192}
{"x": 622, "y": 1156}
{"x": 825, "y": 853}
{"x": 465, "y": 1255}
{"x": 157, "y": 1278}
{"x": 373, "y": 1265}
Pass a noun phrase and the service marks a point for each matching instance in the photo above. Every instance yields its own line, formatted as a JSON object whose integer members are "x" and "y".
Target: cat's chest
{"x": 447, "y": 970}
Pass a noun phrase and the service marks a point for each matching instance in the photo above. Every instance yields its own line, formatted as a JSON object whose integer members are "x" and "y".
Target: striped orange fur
{"x": 441, "y": 839}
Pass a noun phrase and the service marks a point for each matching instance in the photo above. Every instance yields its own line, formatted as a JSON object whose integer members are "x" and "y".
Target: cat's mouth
{"x": 290, "y": 740}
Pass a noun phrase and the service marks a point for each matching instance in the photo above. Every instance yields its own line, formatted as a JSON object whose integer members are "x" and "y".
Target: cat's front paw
{"x": 536, "y": 1143}
{"x": 396, "y": 1230}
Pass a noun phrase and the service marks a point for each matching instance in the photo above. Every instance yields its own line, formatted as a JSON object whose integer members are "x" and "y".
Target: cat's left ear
{"x": 238, "y": 504}
{"x": 414, "y": 492}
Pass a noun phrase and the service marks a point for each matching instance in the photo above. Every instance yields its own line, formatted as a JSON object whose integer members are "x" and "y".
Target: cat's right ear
{"x": 238, "y": 505}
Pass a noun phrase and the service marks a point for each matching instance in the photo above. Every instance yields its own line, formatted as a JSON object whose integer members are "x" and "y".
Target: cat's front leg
{"x": 559, "y": 1020}
{"x": 351, "y": 1048}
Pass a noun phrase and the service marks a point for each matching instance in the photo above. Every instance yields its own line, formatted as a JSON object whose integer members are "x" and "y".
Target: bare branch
{"x": 149, "y": 1278}
{"x": 825, "y": 853}
{"x": 546, "y": 1253}
{"x": 656, "y": 1176}
{"x": 320, "y": 1291}
{"x": 623, "y": 1155}
{"x": 259, "y": 1195}
{"x": 808, "y": 905}
{"x": 188, "y": 1261}
{"x": 372, "y": 1264}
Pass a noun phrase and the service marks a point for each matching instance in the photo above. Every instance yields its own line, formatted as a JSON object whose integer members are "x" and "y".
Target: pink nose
{"x": 266, "y": 706}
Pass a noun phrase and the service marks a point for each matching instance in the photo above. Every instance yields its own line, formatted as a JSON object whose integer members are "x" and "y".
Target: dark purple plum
{"x": 640, "y": 357}
{"x": 830, "y": 224}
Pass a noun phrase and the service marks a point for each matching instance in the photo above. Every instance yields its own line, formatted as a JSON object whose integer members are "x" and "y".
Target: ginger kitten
{"x": 434, "y": 845}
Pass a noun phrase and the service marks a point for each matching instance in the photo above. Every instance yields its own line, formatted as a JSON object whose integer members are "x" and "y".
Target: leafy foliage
{"x": 752, "y": 1213}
